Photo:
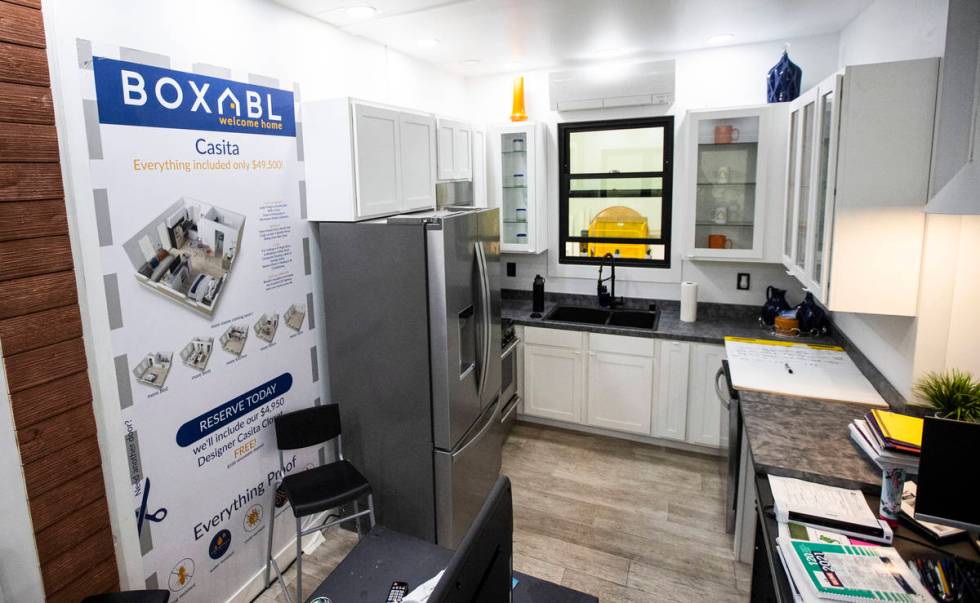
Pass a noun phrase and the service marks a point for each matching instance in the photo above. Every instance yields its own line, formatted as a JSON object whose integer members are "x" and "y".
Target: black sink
{"x": 633, "y": 318}
{"x": 592, "y": 316}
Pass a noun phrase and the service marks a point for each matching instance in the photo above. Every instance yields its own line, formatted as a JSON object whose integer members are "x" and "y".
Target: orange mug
{"x": 719, "y": 241}
{"x": 726, "y": 134}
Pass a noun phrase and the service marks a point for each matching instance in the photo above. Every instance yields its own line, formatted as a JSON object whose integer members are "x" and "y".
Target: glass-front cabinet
{"x": 728, "y": 154}
{"x": 811, "y": 170}
{"x": 520, "y": 186}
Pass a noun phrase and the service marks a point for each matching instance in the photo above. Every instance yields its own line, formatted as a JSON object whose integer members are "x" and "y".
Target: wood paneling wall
{"x": 40, "y": 326}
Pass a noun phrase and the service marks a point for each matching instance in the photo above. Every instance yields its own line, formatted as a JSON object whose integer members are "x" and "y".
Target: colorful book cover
{"x": 853, "y": 573}
{"x": 901, "y": 429}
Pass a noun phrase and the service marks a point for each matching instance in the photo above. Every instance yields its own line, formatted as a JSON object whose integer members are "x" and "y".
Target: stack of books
{"x": 828, "y": 544}
{"x": 889, "y": 439}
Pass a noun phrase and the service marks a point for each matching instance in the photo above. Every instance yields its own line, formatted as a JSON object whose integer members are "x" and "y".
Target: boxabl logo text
{"x": 142, "y": 95}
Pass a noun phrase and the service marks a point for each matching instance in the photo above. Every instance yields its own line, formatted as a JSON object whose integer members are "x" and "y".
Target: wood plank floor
{"x": 621, "y": 520}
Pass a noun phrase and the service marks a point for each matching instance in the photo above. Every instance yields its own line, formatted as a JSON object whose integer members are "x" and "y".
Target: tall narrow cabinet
{"x": 520, "y": 186}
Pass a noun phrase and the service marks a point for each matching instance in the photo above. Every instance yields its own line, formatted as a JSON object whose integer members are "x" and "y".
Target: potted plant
{"x": 954, "y": 394}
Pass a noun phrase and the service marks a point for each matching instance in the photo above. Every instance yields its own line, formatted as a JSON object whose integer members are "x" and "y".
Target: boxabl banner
{"x": 198, "y": 196}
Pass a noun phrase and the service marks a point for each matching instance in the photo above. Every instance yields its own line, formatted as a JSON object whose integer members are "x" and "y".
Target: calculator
{"x": 397, "y": 592}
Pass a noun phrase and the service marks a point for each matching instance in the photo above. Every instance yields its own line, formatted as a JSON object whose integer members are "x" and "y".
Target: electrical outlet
{"x": 511, "y": 268}
{"x": 743, "y": 281}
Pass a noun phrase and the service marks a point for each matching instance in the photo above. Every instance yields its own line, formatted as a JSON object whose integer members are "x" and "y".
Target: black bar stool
{"x": 318, "y": 489}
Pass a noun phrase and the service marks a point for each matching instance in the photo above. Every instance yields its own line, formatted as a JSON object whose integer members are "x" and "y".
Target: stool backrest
{"x": 307, "y": 427}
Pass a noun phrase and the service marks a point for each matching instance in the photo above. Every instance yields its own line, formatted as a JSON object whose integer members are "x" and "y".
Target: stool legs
{"x": 299, "y": 560}
{"x": 371, "y": 507}
{"x": 357, "y": 520}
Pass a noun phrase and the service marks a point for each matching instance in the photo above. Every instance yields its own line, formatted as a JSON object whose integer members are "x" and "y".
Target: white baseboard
{"x": 633, "y": 437}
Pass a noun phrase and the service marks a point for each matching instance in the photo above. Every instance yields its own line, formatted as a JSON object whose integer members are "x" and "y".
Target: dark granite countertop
{"x": 714, "y": 322}
{"x": 807, "y": 439}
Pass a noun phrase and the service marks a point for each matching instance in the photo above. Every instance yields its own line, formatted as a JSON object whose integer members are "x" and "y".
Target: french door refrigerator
{"x": 413, "y": 339}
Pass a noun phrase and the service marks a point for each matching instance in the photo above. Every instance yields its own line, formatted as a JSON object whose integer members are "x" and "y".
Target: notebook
{"x": 901, "y": 429}
{"x": 838, "y": 509}
{"x": 839, "y": 572}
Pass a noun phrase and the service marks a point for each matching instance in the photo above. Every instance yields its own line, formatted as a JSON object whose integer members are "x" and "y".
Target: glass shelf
{"x": 709, "y": 223}
{"x": 726, "y": 183}
{"x": 522, "y": 152}
{"x": 509, "y": 221}
{"x": 514, "y": 186}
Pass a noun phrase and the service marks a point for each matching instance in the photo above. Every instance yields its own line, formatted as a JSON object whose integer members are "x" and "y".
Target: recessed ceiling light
{"x": 513, "y": 65}
{"x": 471, "y": 62}
{"x": 428, "y": 43}
{"x": 360, "y": 12}
{"x": 719, "y": 39}
{"x": 606, "y": 53}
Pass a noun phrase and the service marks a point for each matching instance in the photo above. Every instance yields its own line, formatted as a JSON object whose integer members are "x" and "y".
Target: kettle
{"x": 775, "y": 303}
{"x": 813, "y": 319}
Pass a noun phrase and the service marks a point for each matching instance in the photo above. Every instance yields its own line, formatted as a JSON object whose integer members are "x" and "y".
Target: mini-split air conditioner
{"x": 606, "y": 86}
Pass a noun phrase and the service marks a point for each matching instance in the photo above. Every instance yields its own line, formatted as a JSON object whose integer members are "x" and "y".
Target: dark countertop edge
{"x": 707, "y": 313}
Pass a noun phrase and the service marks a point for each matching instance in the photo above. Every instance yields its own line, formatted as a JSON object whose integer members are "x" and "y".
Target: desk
{"x": 383, "y": 556}
{"x": 769, "y": 581}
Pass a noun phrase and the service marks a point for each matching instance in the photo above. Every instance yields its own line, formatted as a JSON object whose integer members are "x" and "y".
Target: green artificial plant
{"x": 954, "y": 394}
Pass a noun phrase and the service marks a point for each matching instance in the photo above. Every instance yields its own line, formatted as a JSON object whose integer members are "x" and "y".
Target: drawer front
{"x": 619, "y": 344}
{"x": 554, "y": 337}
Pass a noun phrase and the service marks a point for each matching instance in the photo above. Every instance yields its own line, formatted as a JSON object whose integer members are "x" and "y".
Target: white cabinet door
{"x": 463, "y": 153}
{"x": 377, "y": 161}
{"x": 706, "y": 423}
{"x": 418, "y": 161}
{"x": 553, "y": 383}
{"x": 670, "y": 405}
{"x": 445, "y": 139}
{"x": 620, "y": 391}
{"x": 479, "y": 168}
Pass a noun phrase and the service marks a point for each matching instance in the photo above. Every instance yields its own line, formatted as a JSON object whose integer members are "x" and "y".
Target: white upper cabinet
{"x": 520, "y": 186}
{"x": 418, "y": 160}
{"x": 729, "y": 181}
{"x": 454, "y": 140}
{"x": 366, "y": 161}
{"x": 378, "y": 169}
{"x": 858, "y": 161}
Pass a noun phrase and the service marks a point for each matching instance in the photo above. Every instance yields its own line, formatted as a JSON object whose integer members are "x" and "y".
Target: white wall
{"x": 895, "y": 30}
{"x": 713, "y": 78}
{"x": 254, "y": 35}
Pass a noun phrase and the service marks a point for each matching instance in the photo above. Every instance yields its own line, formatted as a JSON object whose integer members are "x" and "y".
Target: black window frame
{"x": 667, "y": 179}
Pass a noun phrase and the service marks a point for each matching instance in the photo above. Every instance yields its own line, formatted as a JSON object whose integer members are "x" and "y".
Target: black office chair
{"x": 130, "y": 596}
{"x": 318, "y": 489}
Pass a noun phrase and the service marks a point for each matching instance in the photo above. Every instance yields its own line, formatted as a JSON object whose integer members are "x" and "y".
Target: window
{"x": 614, "y": 191}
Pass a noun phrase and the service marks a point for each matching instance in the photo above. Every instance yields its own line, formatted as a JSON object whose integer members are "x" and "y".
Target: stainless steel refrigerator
{"x": 413, "y": 339}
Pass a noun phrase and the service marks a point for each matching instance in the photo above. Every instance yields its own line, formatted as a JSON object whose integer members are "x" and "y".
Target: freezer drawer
{"x": 465, "y": 477}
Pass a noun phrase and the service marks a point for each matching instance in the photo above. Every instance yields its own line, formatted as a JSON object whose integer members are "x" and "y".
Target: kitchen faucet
{"x": 608, "y": 299}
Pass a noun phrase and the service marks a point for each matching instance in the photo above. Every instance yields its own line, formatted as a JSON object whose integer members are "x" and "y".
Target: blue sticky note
{"x": 513, "y": 583}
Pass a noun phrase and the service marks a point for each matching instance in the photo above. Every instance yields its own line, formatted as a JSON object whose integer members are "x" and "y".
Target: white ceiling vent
{"x": 607, "y": 86}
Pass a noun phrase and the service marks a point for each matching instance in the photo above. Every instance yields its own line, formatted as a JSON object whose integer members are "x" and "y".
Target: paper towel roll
{"x": 689, "y": 301}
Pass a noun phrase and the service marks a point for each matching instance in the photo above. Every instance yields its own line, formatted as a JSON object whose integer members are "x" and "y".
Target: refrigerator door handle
{"x": 491, "y": 421}
{"x": 485, "y": 295}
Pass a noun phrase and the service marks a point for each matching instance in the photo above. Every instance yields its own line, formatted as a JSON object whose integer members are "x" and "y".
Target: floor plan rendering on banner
{"x": 186, "y": 252}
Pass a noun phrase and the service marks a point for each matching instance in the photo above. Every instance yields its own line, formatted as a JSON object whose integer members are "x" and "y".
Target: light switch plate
{"x": 743, "y": 281}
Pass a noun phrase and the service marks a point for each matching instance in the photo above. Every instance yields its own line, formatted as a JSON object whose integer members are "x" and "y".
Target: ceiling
{"x": 479, "y": 37}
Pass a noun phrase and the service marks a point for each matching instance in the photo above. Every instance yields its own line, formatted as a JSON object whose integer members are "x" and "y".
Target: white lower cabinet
{"x": 707, "y": 424}
{"x": 659, "y": 388}
{"x": 671, "y": 401}
{"x": 553, "y": 374}
{"x": 620, "y": 383}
